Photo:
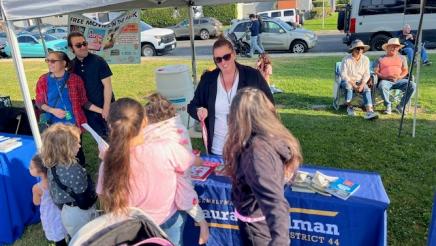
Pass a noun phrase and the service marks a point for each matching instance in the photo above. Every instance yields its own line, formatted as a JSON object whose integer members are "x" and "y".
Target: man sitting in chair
{"x": 407, "y": 38}
{"x": 392, "y": 70}
{"x": 355, "y": 76}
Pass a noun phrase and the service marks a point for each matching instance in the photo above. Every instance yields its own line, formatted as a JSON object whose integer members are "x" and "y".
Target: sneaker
{"x": 399, "y": 109}
{"x": 350, "y": 111}
{"x": 370, "y": 116}
{"x": 426, "y": 63}
{"x": 388, "y": 110}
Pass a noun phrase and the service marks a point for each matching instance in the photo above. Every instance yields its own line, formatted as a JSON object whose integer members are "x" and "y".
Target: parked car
{"x": 61, "y": 32}
{"x": 3, "y": 39}
{"x": 156, "y": 40}
{"x": 31, "y": 45}
{"x": 277, "y": 35}
{"x": 34, "y": 28}
{"x": 290, "y": 16}
{"x": 204, "y": 27}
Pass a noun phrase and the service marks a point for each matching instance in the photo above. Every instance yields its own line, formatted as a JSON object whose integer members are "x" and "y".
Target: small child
{"x": 164, "y": 123}
{"x": 60, "y": 144}
{"x": 264, "y": 66}
{"x": 50, "y": 214}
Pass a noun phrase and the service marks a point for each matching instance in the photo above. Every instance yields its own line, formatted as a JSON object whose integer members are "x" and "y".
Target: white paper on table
{"x": 102, "y": 145}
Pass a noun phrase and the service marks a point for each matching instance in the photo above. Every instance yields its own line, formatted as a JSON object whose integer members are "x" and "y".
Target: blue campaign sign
{"x": 314, "y": 219}
{"x": 432, "y": 229}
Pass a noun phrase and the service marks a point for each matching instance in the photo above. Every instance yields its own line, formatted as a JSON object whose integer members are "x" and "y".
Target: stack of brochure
{"x": 323, "y": 184}
{"x": 8, "y": 144}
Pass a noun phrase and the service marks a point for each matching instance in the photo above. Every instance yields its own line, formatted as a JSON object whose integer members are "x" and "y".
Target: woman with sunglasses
{"x": 355, "y": 77}
{"x": 215, "y": 92}
{"x": 61, "y": 94}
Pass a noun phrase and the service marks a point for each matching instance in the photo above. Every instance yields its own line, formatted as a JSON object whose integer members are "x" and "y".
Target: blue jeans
{"x": 385, "y": 86}
{"x": 259, "y": 43}
{"x": 254, "y": 46}
{"x": 173, "y": 227}
{"x": 366, "y": 93}
{"x": 409, "y": 53}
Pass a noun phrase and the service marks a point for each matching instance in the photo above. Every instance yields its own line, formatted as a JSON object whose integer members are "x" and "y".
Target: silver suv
{"x": 204, "y": 27}
{"x": 277, "y": 35}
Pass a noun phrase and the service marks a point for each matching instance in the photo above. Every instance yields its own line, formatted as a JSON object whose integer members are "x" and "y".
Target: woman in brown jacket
{"x": 262, "y": 156}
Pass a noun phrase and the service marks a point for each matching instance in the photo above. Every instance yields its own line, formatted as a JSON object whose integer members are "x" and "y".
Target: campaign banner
{"x": 117, "y": 41}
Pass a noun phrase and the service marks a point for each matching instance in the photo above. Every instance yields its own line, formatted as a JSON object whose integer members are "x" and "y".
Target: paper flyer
{"x": 102, "y": 145}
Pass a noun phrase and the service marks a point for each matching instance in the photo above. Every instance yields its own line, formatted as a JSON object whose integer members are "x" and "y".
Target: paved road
{"x": 327, "y": 42}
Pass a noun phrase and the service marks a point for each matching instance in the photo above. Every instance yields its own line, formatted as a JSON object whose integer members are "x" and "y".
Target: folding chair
{"x": 395, "y": 95}
{"x": 339, "y": 93}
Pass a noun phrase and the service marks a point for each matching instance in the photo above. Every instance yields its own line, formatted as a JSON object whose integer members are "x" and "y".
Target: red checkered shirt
{"x": 76, "y": 92}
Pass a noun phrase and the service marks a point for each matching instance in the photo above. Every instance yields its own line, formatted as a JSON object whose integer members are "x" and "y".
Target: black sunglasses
{"x": 79, "y": 45}
{"x": 359, "y": 48}
{"x": 224, "y": 57}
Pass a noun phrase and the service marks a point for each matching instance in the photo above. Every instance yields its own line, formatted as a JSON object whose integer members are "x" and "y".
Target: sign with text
{"x": 117, "y": 41}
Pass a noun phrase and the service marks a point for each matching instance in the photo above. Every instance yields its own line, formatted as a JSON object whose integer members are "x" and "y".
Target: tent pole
{"x": 192, "y": 37}
{"x": 38, "y": 22}
{"x": 417, "y": 47}
{"x": 418, "y": 71}
{"x": 18, "y": 62}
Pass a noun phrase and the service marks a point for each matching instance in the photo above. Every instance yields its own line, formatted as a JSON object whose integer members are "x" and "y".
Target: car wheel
{"x": 378, "y": 40}
{"x": 204, "y": 34}
{"x": 298, "y": 46}
{"x": 148, "y": 50}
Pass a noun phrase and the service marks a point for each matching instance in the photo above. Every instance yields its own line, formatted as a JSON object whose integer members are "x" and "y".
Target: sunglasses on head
{"x": 51, "y": 61}
{"x": 224, "y": 57}
{"x": 79, "y": 45}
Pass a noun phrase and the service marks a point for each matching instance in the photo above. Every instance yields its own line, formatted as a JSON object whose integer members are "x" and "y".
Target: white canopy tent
{"x": 13, "y": 10}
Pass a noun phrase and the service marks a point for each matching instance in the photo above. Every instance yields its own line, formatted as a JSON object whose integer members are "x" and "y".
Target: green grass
{"x": 329, "y": 138}
{"x": 316, "y": 24}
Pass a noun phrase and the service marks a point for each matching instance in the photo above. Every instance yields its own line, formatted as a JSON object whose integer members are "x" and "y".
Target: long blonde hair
{"x": 58, "y": 145}
{"x": 125, "y": 120}
{"x": 251, "y": 113}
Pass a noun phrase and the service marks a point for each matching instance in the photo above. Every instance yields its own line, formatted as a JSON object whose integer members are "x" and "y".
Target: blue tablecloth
{"x": 315, "y": 219}
{"x": 432, "y": 229}
{"x": 16, "y": 207}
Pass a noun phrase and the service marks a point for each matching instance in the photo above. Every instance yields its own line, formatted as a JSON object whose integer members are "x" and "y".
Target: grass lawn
{"x": 316, "y": 24}
{"x": 329, "y": 138}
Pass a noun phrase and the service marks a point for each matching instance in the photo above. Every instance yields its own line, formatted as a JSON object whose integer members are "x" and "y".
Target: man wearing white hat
{"x": 392, "y": 70}
{"x": 355, "y": 76}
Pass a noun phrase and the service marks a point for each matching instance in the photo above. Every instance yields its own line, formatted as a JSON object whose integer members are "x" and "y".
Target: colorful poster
{"x": 117, "y": 41}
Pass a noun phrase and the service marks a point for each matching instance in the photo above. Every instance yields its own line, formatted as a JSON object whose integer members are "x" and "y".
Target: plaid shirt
{"x": 76, "y": 92}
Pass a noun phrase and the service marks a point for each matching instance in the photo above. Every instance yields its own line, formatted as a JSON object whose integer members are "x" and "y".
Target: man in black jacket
{"x": 254, "y": 33}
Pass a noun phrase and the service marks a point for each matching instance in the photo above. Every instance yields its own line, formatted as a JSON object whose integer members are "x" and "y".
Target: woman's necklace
{"x": 228, "y": 94}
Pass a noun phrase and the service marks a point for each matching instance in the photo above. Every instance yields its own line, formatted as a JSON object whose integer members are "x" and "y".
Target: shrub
{"x": 224, "y": 13}
{"x": 317, "y": 12}
{"x": 317, "y": 4}
{"x": 163, "y": 17}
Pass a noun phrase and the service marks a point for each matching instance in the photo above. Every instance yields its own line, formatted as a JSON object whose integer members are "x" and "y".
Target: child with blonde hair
{"x": 50, "y": 214}
{"x": 165, "y": 123}
{"x": 60, "y": 144}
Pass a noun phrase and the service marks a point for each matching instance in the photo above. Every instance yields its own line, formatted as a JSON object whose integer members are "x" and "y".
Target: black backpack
{"x": 83, "y": 200}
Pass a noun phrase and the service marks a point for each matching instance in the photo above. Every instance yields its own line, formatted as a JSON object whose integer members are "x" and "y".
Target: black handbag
{"x": 83, "y": 200}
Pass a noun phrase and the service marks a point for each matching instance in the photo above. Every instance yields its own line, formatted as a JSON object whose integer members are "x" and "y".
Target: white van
{"x": 375, "y": 21}
{"x": 286, "y": 15}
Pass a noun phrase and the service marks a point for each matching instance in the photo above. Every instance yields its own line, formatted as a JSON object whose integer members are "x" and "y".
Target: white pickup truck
{"x": 156, "y": 40}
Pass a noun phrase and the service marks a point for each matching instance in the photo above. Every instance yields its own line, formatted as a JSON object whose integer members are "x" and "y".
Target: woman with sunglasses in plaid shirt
{"x": 216, "y": 90}
{"x": 61, "y": 94}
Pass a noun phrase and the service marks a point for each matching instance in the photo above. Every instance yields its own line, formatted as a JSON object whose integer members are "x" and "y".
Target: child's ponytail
{"x": 125, "y": 120}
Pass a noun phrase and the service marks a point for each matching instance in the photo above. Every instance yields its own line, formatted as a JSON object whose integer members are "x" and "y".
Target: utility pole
{"x": 323, "y": 14}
